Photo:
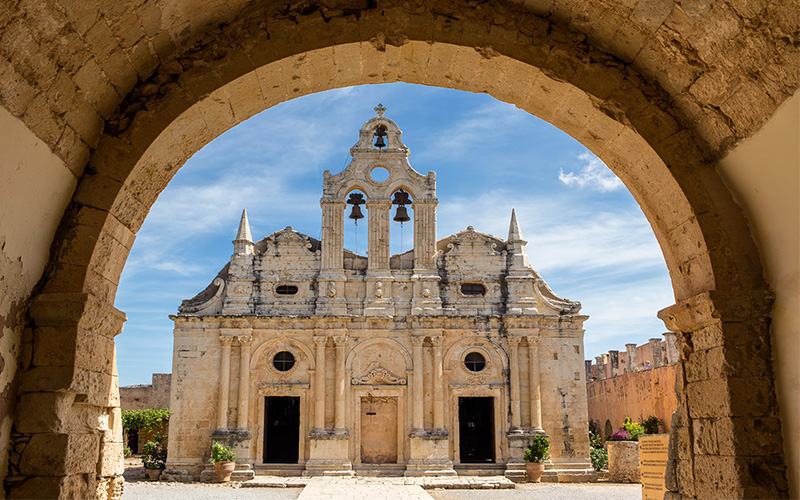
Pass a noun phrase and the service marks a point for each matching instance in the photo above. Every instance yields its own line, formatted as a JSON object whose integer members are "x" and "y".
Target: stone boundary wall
{"x": 635, "y": 395}
{"x": 146, "y": 396}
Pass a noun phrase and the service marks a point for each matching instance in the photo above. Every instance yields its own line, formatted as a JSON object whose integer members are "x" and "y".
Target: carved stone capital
{"x": 706, "y": 308}
{"x": 534, "y": 341}
{"x": 339, "y": 340}
{"x": 244, "y": 340}
{"x": 417, "y": 340}
{"x": 437, "y": 340}
{"x": 226, "y": 340}
{"x": 321, "y": 339}
{"x": 514, "y": 341}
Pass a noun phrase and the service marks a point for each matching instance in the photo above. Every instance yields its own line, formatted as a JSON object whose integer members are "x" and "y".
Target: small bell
{"x": 355, "y": 213}
{"x": 401, "y": 215}
{"x": 380, "y": 133}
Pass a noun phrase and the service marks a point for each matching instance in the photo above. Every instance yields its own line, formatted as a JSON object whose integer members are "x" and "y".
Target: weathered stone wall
{"x": 146, "y": 396}
{"x": 636, "y": 395}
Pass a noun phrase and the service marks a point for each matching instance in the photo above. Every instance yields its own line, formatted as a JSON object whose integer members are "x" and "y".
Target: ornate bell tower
{"x": 380, "y": 147}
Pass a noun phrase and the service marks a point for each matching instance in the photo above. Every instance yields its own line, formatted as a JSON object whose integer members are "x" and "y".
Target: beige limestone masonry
{"x": 661, "y": 92}
{"x": 379, "y": 345}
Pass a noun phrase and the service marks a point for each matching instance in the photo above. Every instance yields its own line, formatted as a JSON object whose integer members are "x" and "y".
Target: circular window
{"x": 283, "y": 361}
{"x": 475, "y": 362}
{"x": 379, "y": 174}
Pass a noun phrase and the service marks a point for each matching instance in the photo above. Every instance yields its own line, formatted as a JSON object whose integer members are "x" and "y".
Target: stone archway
{"x": 726, "y": 438}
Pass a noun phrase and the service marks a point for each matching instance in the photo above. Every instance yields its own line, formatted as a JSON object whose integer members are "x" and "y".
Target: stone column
{"x": 633, "y": 363}
{"x": 726, "y": 399}
{"x": 332, "y": 234}
{"x": 438, "y": 384}
{"x": 339, "y": 404}
{"x": 224, "y": 381}
{"x": 535, "y": 385}
{"x": 417, "y": 390}
{"x": 319, "y": 384}
{"x": 655, "y": 346}
{"x": 513, "y": 366}
{"x": 672, "y": 350}
{"x": 424, "y": 232}
{"x": 244, "y": 380}
{"x": 613, "y": 357}
{"x": 378, "y": 253}
{"x": 587, "y": 366}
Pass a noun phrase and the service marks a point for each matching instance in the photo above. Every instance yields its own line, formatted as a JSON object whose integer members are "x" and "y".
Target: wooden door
{"x": 378, "y": 430}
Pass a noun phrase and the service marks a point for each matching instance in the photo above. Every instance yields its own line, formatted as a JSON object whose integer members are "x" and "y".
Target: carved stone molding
{"x": 707, "y": 307}
{"x": 379, "y": 376}
{"x": 226, "y": 340}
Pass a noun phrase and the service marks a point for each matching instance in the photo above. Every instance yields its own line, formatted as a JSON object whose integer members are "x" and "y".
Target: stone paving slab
{"x": 356, "y": 489}
{"x": 446, "y": 483}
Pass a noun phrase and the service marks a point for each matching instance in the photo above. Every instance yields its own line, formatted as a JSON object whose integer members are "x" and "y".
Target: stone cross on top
{"x": 380, "y": 109}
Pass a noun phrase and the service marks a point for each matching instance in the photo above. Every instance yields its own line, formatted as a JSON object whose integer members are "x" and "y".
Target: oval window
{"x": 283, "y": 361}
{"x": 473, "y": 289}
{"x": 475, "y": 362}
{"x": 379, "y": 174}
{"x": 286, "y": 289}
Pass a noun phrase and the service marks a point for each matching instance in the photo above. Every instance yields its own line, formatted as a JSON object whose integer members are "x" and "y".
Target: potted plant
{"x": 623, "y": 454}
{"x": 535, "y": 456}
{"x": 154, "y": 458}
{"x": 224, "y": 461}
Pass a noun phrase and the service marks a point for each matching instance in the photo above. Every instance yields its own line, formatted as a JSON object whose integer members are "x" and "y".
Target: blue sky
{"x": 586, "y": 234}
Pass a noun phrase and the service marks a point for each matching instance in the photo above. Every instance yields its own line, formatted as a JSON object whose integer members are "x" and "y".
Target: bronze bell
{"x": 401, "y": 215}
{"x": 355, "y": 213}
{"x": 380, "y": 133}
{"x": 401, "y": 198}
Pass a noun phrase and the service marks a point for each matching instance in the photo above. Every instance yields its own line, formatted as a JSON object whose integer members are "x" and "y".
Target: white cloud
{"x": 593, "y": 175}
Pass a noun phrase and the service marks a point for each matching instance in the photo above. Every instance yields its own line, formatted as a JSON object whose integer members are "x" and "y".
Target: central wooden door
{"x": 378, "y": 430}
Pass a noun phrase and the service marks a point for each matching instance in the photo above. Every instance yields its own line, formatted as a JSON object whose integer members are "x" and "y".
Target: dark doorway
{"x": 281, "y": 430}
{"x": 133, "y": 441}
{"x": 476, "y": 430}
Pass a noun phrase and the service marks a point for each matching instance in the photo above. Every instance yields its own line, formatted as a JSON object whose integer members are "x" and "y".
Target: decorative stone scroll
{"x": 379, "y": 376}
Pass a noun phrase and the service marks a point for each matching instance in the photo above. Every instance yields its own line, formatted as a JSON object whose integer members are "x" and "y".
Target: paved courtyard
{"x": 375, "y": 488}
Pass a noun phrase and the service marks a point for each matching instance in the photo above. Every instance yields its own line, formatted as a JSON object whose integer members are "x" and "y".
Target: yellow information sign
{"x": 653, "y": 450}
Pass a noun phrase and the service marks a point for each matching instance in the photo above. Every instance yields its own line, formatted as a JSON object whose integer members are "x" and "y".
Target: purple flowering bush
{"x": 621, "y": 435}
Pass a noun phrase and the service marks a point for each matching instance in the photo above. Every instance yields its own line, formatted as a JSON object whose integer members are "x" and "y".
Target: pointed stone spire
{"x": 515, "y": 245}
{"x": 244, "y": 228}
{"x": 514, "y": 232}
{"x": 243, "y": 244}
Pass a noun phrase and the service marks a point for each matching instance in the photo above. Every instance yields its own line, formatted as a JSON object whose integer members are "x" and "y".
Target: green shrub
{"x": 595, "y": 440}
{"x": 155, "y": 455}
{"x": 634, "y": 429}
{"x": 134, "y": 420}
{"x": 652, "y": 424}
{"x": 126, "y": 451}
{"x": 538, "y": 450}
{"x": 599, "y": 458}
{"x": 221, "y": 453}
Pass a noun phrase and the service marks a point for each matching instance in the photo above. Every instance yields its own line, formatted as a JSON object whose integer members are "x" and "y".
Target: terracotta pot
{"x": 534, "y": 470}
{"x": 154, "y": 474}
{"x": 224, "y": 470}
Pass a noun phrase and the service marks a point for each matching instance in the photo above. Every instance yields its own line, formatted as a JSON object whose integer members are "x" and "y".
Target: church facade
{"x": 446, "y": 359}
